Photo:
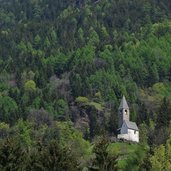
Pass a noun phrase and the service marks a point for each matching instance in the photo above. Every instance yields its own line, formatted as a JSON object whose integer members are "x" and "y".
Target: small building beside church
{"x": 127, "y": 130}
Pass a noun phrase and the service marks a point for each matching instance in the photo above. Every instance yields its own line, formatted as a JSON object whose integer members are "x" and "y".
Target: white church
{"x": 127, "y": 130}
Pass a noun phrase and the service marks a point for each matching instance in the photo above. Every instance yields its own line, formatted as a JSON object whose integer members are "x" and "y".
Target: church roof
{"x": 131, "y": 125}
{"x": 123, "y": 104}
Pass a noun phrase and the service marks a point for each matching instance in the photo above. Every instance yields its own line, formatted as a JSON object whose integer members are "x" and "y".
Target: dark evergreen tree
{"x": 164, "y": 115}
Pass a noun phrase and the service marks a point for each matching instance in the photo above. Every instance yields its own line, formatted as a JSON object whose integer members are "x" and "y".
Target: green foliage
{"x": 70, "y": 136}
{"x": 4, "y": 129}
{"x": 8, "y": 109}
{"x": 73, "y": 60}
{"x": 104, "y": 160}
{"x": 37, "y": 40}
{"x": 62, "y": 108}
{"x": 82, "y": 99}
{"x": 85, "y": 101}
{"x": 94, "y": 38}
{"x": 130, "y": 155}
{"x": 11, "y": 155}
{"x": 23, "y": 132}
{"x": 162, "y": 29}
{"x": 161, "y": 158}
{"x": 161, "y": 89}
{"x": 97, "y": 106}
{"x": 30, "y": 85}
{"x": 143, "y": 132}
{"x": 164, "y": 115}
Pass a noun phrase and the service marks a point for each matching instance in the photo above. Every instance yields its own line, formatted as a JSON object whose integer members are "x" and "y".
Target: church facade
{"x": 127, "y": 130}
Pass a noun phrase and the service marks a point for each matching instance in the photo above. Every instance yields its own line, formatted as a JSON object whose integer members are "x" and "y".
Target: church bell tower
{"x": 123, "y": 112}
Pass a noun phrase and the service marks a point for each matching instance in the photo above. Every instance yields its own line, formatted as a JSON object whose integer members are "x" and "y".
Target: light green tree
{"x": 161, "y": 159}
{"x": 30, "y": 85}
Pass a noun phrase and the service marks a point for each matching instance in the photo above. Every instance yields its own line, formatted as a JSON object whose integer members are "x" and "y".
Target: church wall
{"x": 132, "y": 135}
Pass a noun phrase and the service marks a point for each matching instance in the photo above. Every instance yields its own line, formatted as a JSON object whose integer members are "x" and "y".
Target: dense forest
{"x": 64, "y": 66}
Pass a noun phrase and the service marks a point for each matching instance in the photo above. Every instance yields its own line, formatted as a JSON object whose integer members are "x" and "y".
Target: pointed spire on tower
{"x": 123, "y": 104}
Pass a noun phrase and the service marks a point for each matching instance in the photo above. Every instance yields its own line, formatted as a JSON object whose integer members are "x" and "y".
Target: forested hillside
{"x": 64, "y": 66}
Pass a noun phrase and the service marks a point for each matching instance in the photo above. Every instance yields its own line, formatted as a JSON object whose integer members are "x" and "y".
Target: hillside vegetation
{"x": 64, "y": 66}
